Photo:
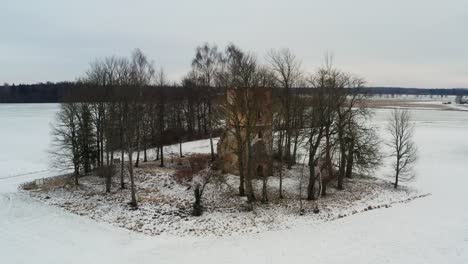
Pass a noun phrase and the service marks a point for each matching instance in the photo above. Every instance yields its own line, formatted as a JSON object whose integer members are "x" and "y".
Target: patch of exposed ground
{"x": 386, "y": 103}
{"x": 413, "y": 103}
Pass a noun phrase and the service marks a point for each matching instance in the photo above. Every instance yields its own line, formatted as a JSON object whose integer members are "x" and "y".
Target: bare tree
{"x": 161, "y": 81}
{"x": 205, "y": 66}
{"x": 142, "y": 74}
{"x": 328, "y": 78}
{"x": 347, "y": 113}
{"x": 286, "y": 68}
{"x": 238, "y": 70}
{"x": 130, "y": 138}
{"x": 123, "y": 72}
{"x": 337, "y": 114}
{"x": 403, "y": 148}
{"x": 65, "y": 143}
{"x": 364, "y": 146}
{"x": 315, "y": 135}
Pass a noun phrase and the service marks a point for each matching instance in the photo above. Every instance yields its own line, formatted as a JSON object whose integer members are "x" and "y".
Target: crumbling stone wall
{"x": 262, "y": 143}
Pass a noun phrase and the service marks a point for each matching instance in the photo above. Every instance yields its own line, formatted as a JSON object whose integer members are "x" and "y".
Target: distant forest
{"x": 58, "y": 92}
{"x": 36, "y": 93}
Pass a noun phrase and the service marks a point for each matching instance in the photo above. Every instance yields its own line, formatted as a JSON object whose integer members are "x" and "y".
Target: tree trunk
{"x": 213, "y": 157}
{"x": 199, "y": 120}
{"x": 296, "y": 138}
{"x": 211, "y": 132}
{"x": 350, "y": 161}
{"x": 145, "y": 156}
{"x": 342, "y": 142}
{"x": 98, "y": 148}
{"x": 288, "y": 129}
{"x": 122, "y": 154}
{"x": 122, "y": 157}
{"x": 312, "y": 177}
{"x": 102, "y": 148}
{"x": 328, "y": 160}
{"x": 240, "y": 158}
{"x": 137, "y": 160}
{"x": 76, "y": 175}
{"x": 397, "y": 172}
{"x": 161, "y": 128}
{"x": 108, "y": 178}
{"x": 180, "y": 149}
{"x": 197, "y": 208}
{"x": 288, "y": 149}
{"x": 280, "y": 154}
{"x": 248, "y": 179}
{"x": 311, "y": 186}
{"x": 342, "y": 168}
{"x": 280, "y": 144}
{"x": 133, "y": 202}
{"x": 162, "y": 156}
{"x": 264, "y": 187}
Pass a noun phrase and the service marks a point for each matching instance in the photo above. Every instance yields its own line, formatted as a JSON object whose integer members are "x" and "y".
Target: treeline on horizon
{"x": 63, "y": 92}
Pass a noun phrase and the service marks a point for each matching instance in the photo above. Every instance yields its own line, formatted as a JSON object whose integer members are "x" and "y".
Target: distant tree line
{"x": 36, "y": 93}
{"x": 50, "y": 92}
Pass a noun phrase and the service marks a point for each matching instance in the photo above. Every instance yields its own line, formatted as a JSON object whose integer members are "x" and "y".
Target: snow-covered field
{"x": 24, "y": 141}
{"x": 433, "y": 229}
{"x": 420, "y": 103}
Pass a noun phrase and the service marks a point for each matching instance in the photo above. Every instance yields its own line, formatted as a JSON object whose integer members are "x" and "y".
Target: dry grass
{"x": 28, "y": 186}
{"x": 56, "y": 182}
{"x": 386, "y": 103}
{"x": 49, "y": 184}
{"x": 190, "y": 166}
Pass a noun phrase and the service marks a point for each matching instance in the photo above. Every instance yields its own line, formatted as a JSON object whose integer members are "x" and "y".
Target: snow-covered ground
{"x": 419, "y": 103}
{"x": 433, "y": 229}
{"x": 165, "y": 204}
{"x": 24, "y": 141}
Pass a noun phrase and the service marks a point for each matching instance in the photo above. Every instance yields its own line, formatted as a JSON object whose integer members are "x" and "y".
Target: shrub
{"x": 105, "y": 171}
{"x": 199, "y": 162}
{"x": 183, "y": 175}
{"x": 29, "y": 186}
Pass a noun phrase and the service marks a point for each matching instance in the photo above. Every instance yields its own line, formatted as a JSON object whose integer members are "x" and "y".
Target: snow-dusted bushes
{"x": 199, "y": 183}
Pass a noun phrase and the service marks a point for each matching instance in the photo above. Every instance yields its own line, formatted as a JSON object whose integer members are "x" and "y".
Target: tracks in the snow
{"x": 22, "y": 174}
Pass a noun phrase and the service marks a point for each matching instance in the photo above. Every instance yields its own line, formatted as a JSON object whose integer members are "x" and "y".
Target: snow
{"x": 418, "y": 102}
{"x": 459, "y": 107}
{"x": 432, "y": 229}
{"x": 24, "y": 131}
{"x": 165, "y": 205}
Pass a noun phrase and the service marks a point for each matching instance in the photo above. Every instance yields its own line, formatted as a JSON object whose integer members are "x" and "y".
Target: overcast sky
{"x": 412, "y": 43}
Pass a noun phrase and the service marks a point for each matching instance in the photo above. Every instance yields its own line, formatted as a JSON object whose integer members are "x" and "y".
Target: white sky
{"x": 413, "y": 43}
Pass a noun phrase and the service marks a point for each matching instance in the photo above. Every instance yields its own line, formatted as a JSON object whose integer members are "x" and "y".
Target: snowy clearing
{"x": 165, "y": 205}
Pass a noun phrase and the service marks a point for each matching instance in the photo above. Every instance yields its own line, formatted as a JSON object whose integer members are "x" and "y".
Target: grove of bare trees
{"x": 125, "y": 111}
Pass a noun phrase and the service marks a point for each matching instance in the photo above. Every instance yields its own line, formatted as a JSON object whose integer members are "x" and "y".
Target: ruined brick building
{"x": 261, "y": 135}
